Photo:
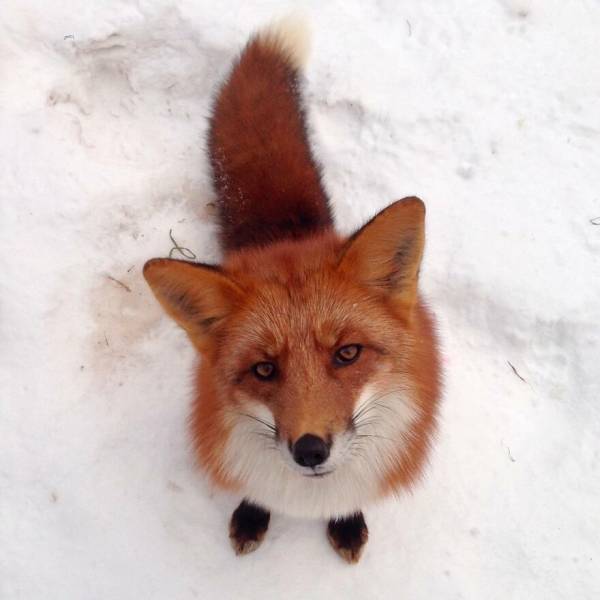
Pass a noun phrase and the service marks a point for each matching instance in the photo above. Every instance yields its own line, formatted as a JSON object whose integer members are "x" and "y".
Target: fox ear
{"x": 196, "y": 296}
{"x": 386, "y": 252}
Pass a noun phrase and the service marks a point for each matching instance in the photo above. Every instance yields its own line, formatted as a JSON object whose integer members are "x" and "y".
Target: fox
{"x": 319, "y": 380}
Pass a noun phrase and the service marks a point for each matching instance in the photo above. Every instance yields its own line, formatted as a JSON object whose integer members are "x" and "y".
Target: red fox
{"x": 319, "y": 382}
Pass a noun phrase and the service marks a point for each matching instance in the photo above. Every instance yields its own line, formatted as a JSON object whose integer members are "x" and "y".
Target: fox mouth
{"x": 324, "y": 474}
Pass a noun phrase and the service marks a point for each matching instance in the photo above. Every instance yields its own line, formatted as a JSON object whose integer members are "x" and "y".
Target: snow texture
{"x": 489, "y": 110}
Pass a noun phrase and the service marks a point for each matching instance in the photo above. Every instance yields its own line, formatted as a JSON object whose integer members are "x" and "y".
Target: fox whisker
{"x": 270, "y": 427}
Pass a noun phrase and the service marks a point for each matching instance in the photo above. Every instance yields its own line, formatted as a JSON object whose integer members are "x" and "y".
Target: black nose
{"x": 310, "y": 451}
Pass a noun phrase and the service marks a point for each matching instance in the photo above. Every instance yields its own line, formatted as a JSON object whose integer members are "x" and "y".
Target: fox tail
{"x": 267, "y": 181}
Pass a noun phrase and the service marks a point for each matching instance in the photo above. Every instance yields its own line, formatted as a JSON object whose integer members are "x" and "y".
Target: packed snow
{"x": 488, "y": 110}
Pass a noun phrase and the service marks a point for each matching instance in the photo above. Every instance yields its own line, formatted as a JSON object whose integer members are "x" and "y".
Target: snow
{"x": 488, "y": 110}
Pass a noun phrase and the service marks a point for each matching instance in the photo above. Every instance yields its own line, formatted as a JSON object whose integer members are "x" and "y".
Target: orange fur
{"x": 292, "y": 291}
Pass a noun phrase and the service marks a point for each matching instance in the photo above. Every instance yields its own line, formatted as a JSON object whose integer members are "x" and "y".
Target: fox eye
{"x": 346, "y": 355}
{"x": 264, "y": 370}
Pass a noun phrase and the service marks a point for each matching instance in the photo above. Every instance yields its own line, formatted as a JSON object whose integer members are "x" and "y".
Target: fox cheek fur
{"x": 318, "y": 388}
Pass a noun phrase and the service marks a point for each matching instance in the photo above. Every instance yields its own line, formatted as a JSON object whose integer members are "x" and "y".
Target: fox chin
{"x": 319, "y": 380}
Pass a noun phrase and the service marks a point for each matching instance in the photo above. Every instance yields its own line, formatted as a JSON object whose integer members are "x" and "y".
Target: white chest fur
{"x": 359, "y": 459}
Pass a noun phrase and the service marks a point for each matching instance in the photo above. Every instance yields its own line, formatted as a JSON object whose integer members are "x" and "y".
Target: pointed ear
{"x": 386, "y": 253}
{"x": 196, "y": 296}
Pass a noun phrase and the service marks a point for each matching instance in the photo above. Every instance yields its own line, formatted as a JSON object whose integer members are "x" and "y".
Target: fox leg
{"x": 348, "y": 536}
{"x": 248, "y": 526}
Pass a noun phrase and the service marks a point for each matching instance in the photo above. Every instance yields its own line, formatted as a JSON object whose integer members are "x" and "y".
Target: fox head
{"x": 313, "y": 367}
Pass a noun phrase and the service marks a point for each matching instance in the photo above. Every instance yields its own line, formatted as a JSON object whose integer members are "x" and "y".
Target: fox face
{"x": 316, "y": 391}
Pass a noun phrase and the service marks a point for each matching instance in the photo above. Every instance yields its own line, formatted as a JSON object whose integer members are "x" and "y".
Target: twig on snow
{"x": 515, "y": 371}
{"x": 185, "y": 252}
{"x": 119, "y": 283}
{"x": 409, "y": 27}
{"x": 595, "y": 221}
{"x": 510, "y": 456}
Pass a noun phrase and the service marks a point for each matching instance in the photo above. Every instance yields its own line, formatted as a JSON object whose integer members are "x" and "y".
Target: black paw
{"x": 247, "y": 527}
{"x": 348, "y": 536}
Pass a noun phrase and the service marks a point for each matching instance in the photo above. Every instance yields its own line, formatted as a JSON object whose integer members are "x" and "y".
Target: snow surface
{"x": 489, "y": 110}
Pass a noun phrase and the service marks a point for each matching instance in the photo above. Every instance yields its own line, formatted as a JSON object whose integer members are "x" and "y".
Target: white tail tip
{"x": 290, "y": 36}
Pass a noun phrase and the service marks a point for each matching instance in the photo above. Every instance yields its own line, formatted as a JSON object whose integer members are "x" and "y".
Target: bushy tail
{"x": 267, "y": 181}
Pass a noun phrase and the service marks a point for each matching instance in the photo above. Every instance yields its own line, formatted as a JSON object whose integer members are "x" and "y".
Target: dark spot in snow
{"x": 173, "y": 487}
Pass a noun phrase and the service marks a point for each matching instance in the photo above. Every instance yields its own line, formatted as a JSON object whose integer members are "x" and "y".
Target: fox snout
{"x": 310, "y": 450}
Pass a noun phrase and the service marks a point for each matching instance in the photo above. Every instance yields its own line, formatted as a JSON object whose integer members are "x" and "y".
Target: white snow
{"x": 489, "y": 110}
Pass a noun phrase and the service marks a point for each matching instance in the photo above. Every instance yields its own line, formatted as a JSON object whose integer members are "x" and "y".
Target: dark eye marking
{"x": 265, "y": 371}
{"x": 346, "y": 355}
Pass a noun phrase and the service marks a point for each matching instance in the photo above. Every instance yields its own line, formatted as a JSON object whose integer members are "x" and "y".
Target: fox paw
{"x": 348, "y": 536}
{"x": 247, "y": 527}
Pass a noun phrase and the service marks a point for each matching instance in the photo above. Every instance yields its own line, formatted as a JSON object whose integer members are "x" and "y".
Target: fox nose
{"x": 310, "y": 450}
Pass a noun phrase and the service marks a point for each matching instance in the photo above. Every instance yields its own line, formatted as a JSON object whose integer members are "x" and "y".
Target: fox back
{"x": 319, "y": 381}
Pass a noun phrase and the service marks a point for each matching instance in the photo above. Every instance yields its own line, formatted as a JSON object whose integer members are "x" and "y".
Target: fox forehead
{"x": 296, "y": 300}
{"x": 313, "y": 314}
{"x": 291, "y": 289}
